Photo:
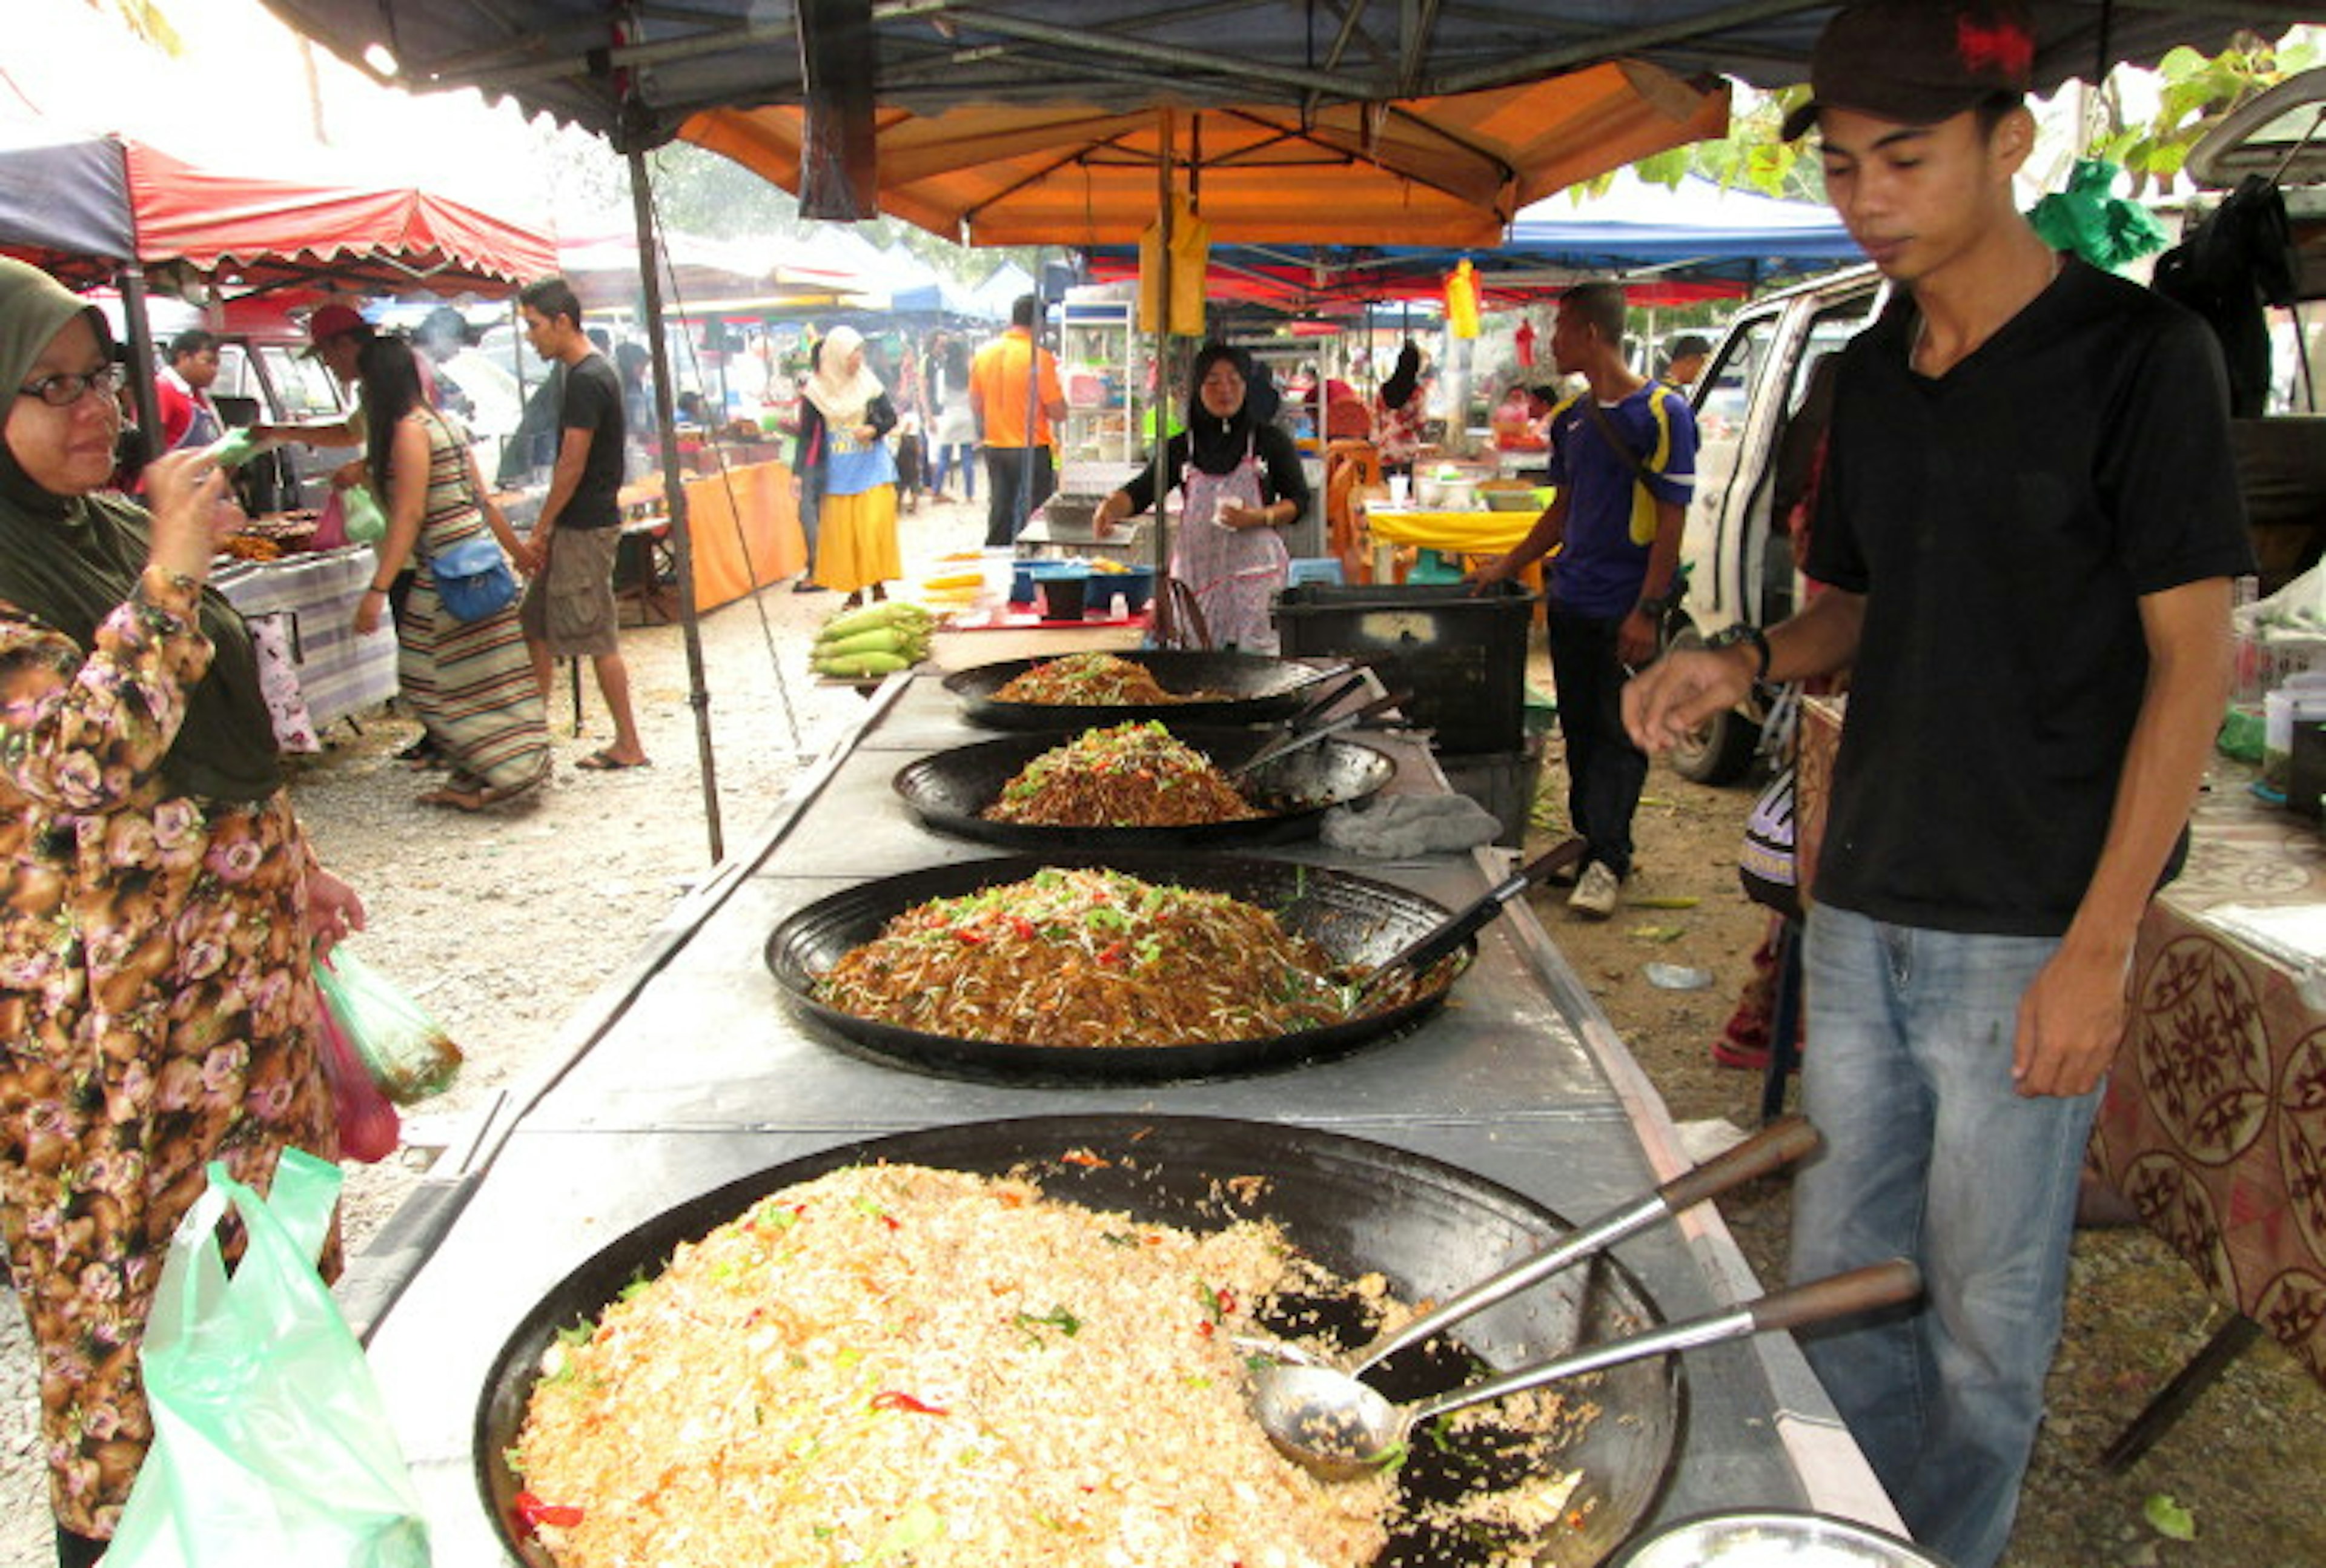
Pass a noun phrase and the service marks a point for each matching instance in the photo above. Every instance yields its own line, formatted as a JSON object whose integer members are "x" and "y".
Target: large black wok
{"x": 1357, "y": 920}
{"x": 950, "y": 790}
{"x": 1256, "y": 688}
{"x": 1355, "y": 1206}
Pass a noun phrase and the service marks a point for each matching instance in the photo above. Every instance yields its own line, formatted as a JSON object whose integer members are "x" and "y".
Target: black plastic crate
{"x": 1463, "y": 655}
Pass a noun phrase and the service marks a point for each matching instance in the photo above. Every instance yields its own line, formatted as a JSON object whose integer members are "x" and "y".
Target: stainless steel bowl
{"x": 1774, "y": 1539}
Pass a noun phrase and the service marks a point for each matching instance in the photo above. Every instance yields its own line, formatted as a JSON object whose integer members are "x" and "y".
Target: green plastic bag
{"x": 363, "y": 521}
{"x": 406, "y": 1051}
{"x": 271, "y": 1443}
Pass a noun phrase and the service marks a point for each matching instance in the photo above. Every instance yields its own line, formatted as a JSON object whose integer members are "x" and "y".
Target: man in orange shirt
{"x": 1014, "y": 412}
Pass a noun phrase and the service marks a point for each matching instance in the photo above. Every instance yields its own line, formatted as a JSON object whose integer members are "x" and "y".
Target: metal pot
{"x": 1257, "y": 689}
{"x": 1357, "y": 920}
{"x": 1355, "y": 1206}
{"x": 950, "y": 789}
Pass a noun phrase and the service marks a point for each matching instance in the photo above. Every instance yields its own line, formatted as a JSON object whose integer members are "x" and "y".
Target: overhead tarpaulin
{"x": 80, "y": 207}
{"x": 63, "y": 198}
{"x": 1418, "y": 170}
{"x": 637, "y": 73}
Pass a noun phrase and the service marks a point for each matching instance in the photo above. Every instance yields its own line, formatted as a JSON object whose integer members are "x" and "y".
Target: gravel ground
{"x": 503, "y": 924}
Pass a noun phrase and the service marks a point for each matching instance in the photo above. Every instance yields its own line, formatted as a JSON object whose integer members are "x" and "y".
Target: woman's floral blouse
{"x": 156, "y": 1010}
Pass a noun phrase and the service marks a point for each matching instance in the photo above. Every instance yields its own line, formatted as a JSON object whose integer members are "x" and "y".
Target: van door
{"x": 1752, "y": 444}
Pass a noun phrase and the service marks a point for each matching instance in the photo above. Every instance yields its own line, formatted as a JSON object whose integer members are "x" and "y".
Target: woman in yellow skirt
{"x": 843, "y": 432}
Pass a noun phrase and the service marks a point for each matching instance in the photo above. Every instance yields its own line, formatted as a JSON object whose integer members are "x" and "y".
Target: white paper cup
{"x": 1400, "y": 485}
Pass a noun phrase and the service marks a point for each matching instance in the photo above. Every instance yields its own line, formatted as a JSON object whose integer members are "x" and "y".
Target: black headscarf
{"x": 70, "y": 561}
{"x": 1217, "y": 445}
{"x": 1399, "y": 388}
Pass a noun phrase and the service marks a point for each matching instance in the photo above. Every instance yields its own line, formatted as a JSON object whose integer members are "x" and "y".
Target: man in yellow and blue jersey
{"x": 1623, "y": 462}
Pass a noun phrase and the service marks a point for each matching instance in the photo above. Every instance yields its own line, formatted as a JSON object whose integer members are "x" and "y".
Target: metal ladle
{"x": 1341, "y": 1430}
{"x": 1779, "y": 1143}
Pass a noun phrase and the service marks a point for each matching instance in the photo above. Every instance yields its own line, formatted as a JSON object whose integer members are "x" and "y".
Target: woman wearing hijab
{"x": 1239, "y": 482}
{"x": 470, "y": 682}
{"x": 844, "y": 417}
{"x": 162, "y": 905}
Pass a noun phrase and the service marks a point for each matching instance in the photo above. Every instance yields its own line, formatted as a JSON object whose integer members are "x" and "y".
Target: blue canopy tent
{"x": 1675, "y": 245}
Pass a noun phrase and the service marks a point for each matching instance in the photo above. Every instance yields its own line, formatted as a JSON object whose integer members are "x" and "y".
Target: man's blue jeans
{"x": 1929, "y": 1155}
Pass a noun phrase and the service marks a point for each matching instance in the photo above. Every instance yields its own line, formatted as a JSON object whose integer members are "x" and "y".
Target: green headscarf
{"x": 71, "y": 561}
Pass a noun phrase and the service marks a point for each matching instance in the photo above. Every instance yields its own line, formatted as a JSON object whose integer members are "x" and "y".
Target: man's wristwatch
{"x": 1751, "y": 636}
{"x": 1654, "y": 607}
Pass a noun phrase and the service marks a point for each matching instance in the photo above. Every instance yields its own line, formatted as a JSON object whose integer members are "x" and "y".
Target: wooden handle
{"x": 1861, "y": 1290}
{"x": 1777, "y": 1145}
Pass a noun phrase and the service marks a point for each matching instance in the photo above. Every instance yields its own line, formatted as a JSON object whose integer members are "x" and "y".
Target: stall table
{"x": 2214, "y": 1122}
{"x": 687, "y": 1071}
{"x": 312, "y": 598}
{"x": 1472, "y": 532}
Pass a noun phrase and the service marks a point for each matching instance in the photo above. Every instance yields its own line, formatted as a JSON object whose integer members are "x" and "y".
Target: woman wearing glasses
{"x": 161, "y": 904}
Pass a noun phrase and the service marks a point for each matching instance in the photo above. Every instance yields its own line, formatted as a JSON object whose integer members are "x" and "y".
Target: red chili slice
{"x": 532, "y": 1513}
{"x": 892, "y": 1399}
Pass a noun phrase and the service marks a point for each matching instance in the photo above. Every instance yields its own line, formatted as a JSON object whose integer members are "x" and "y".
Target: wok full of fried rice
{"x": 892, "y": 1364}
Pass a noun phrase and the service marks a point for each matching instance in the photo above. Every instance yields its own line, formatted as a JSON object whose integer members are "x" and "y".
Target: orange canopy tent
{"x": 1441, "y": 171}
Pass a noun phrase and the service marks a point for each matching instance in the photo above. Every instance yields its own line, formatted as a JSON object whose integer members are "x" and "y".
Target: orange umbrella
{"x": 1439, "y": 170}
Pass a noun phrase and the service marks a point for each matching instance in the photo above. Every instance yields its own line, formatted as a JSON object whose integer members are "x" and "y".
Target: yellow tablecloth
{"x": 1476, "y": 533}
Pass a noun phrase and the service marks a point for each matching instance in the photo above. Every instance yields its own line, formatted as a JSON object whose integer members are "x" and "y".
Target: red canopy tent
{"x": 104, "y": 209}
{"x": 255, "y": 236}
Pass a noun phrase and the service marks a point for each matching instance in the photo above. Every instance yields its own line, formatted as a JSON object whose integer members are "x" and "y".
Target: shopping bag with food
{"x": 406, "y": 1051}
{"x": 364, "y": 521}
{"x": 271, "y": 1443}
{"x": 370, "y": 1129}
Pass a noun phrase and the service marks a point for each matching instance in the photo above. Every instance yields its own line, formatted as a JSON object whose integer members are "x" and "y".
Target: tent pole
{"x": 673, "y": 489}
{"x": 1165, "y": 630}
{"x": 131, "y": 283}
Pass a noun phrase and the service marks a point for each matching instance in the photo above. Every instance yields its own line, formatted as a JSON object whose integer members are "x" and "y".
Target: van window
{"x": 1725, "y": 391}
{"x": 304, "y": 385}
{"x": 1828, "y": 331}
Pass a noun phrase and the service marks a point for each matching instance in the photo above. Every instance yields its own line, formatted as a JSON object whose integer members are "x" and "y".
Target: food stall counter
{"x": 688, "y": 1071}
{"x": 312, "y": 600}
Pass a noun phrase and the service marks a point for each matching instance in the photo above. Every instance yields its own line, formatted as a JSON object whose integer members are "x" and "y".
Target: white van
{"x": 1736, "y": 551}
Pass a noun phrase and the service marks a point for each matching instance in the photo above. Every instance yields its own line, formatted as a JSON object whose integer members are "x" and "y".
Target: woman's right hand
{"x": 192, "y": 512}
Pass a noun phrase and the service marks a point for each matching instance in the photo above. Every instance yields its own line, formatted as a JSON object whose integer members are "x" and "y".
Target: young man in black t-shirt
{"x": 568, "y": 611}
{"x": 2029, "y": 523}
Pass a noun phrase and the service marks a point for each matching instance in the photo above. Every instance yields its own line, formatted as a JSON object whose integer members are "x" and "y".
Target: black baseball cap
{"x": 1916, "y": 62}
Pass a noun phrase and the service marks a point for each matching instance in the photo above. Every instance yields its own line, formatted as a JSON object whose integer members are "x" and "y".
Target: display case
{"x": 1103, "y": 369}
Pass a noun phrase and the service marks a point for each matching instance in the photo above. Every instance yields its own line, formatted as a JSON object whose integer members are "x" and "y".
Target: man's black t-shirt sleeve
{"x": 593, "y": 402}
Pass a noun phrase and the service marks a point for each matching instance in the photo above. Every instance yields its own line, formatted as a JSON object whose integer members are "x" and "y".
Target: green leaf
{"x": 2169, "y": 1518}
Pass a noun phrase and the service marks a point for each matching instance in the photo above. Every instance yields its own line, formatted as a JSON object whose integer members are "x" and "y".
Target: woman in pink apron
{"x": 1240, "y": 484}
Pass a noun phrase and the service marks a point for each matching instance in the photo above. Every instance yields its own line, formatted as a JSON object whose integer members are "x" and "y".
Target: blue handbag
{"x": 473, "y": 578}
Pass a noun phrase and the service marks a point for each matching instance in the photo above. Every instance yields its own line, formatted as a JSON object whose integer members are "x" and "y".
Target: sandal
{"x": 606, "y": 761}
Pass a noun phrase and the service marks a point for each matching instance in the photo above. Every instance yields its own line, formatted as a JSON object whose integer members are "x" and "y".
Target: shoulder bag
{"x": 473, "y": 578}
{"x": 1766, "y": 863}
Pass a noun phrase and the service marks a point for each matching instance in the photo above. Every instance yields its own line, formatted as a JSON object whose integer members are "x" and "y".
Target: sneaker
{"x": 1596, "y": 893}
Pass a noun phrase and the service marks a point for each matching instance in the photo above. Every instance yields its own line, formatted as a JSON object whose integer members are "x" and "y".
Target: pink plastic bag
{"x": 330, "y": 524}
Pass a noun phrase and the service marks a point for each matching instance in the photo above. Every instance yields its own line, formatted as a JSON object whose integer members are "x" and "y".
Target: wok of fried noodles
{"x": 1090, "y": 957}
{"x": 1093, "y": 680}
{"x": 1132, "y": 775}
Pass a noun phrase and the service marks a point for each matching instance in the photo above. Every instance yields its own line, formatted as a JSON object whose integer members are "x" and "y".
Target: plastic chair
{"x": 1349, "y": 467}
